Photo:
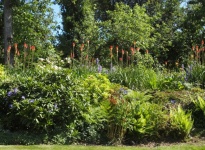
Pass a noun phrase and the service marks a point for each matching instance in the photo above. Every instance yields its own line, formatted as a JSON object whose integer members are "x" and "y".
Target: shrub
{"x": 181, "y": 123}
{"x": 2, "y": 72}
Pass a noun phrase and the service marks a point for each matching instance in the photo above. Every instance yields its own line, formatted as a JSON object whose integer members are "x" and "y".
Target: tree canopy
{"x": 168, "y": 28}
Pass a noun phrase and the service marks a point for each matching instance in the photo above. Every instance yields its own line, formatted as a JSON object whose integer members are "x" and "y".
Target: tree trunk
{"x": 7, "y": 30}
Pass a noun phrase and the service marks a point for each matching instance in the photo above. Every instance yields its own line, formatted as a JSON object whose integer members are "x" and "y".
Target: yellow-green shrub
{"x": 2, "y": 72}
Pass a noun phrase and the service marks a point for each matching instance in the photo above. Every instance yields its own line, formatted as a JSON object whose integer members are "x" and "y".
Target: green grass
{"x": 200, "y": 146}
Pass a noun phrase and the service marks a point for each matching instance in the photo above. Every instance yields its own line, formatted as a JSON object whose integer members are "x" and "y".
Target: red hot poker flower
{"x": 18, "y": 53}
{"x": 9, "y": 48}
{"x": 73, "y": 44}
{"x": 117, "y": 48}
{"x": 15, "y": 45}
{"x": 33, "y": 48}
{"x": 193, "y": 48}
{"x": 123, "y": 52}
{"x": 111, "y": 47}
{"x": 197, "y": 48}
{"x": 81, "y": 48}
{"x": 25, "y": 45}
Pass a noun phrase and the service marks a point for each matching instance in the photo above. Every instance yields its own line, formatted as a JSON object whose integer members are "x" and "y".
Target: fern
{"x": 200, "y": 104}
{"x": 181, "y": 121}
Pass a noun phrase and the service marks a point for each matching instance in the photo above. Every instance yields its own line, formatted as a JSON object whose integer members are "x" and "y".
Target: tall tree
{"x": 79, "y": 24}
{"x": 8, "y": 32}
{"x": 34, "y": 24}
{"x": 167, "y": 17}
{"x": 1, "y": 31}
{"x": 28, "y": 21}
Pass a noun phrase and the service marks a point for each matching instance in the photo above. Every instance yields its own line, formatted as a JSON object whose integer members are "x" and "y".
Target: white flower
{"x": 41, "y": 59}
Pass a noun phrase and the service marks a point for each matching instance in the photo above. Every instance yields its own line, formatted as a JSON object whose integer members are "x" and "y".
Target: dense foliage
{"x": 79, "y": 104}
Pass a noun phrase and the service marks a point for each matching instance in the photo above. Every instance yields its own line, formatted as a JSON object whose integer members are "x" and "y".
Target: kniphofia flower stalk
{"x": 33, "y": 48}
{"x": 111, "y": 48}
{"x": 16, "y": 48}
{"x": 88, "y": 42}
{"x": 25, "y": 54}
{"x": 8, "y": 55}
{"x": 117, "y": 53}
{"x": 72, "y": 54}
{"x": 123, "y": 52}
{"x": 132, "y": 54}
{"x": 81, "y": 50}
{"x": 127, "y": 54}
{"x": 197, "y": 53}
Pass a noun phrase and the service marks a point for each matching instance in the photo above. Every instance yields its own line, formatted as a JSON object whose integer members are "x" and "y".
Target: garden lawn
{"x": 199, "y": 146}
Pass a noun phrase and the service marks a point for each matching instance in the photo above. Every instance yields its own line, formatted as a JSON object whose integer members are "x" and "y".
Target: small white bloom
{"x": 41, "y": 59}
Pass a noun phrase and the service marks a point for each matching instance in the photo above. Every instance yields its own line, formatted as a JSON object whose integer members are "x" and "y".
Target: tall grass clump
{"x": 195, "y": 73}
{"x": 136, "y": 77}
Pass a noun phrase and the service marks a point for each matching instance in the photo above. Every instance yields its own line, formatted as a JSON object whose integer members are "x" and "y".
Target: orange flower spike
{"x": 15, "y": 45}
{"x": 73, "y": 44}
{"x": 165, "y": 63}
{"x": 82, "y": 45}
{"x": 111, "y": 47}
{"x": 132, "y": 50}
{"x": 33, "y": 48}
{"x": 202, "y": 42}
{"x": 117, "y": 48}
{"x": 120, "y": 58}
{"x": 193, "y": 48}
{"x": 138, "y": 49}
{"x": 18, "y": 53}
{"x": 197, "y": 48}
{"x": 123, "y": 52}
{"x": 147, "y": 51}
{"x": 81, "y": 48}
{"x": 9, "y": 48}
{"x": 25, "y": 46}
